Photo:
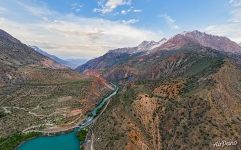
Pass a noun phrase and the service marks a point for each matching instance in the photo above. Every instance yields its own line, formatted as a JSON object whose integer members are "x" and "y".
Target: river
{"x": 67, "y": 141}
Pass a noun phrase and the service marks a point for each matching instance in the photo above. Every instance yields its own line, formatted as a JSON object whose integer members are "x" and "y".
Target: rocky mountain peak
{"x": 146, "y": 45}
{"x": 142, "y": 47}
{"x": 174, "y": 42}
{"x": 216, "y": 42}
{"x": 149, "y": 45}
{"x": 220, "y": 43}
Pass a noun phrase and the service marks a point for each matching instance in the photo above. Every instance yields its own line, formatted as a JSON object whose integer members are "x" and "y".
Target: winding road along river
{"x": 67, "y": 141}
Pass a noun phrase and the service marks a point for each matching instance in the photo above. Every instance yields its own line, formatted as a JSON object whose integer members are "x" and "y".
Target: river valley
{"x": 67, "y": 141}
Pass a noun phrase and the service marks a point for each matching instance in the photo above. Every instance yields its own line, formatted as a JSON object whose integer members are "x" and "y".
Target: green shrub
{"x": 82, "y": 134}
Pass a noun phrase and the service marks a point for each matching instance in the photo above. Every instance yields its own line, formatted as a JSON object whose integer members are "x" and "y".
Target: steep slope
{"x": 14, "y": 54}
{"x": 183, "y": 95}
{"x": 39, "y": 95}
{"x": 21, "y": 54}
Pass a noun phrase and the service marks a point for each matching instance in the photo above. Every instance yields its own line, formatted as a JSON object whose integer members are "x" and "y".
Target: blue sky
{"x": 89, "y": 28}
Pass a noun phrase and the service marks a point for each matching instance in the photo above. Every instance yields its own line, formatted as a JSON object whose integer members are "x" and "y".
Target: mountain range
{"x": 72, "y": 63}
{"x": 115, "y": 56}
{"x": 178, "y": 93}
{"x": 182, "y": 93}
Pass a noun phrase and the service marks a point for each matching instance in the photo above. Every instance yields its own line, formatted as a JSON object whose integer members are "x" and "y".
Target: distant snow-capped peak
{"x": 149, "y": 45}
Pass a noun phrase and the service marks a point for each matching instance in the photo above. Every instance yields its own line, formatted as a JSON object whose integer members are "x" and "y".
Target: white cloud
{"x": 232, "y": 28}
{"x": 37, "y": 11}
{"x": 76, "y": 6}
{"x": 68, "y": 35}
{"x": 131, "y": 21}
{"x": 107, "y": 6}
{"x": 2, "y": 9}
{"x": 170, "y": 21}
{"x": 124, "y": 12}
{"x": 235, "y": 15}
{"x": 130, "y": 10}
{"x": 235, "y": 3}
{"x": 137, "y": 10}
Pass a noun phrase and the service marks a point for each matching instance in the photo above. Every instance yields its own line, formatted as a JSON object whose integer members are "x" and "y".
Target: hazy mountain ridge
{"x": 72, "y": 63}
{"x": 75, "y": 62}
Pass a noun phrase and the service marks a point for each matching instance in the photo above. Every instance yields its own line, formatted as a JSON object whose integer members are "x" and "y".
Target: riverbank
{"x": 89, "y": 139}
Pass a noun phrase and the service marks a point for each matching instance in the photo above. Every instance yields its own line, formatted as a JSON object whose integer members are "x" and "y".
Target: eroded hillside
{"x": 142, "y": 117}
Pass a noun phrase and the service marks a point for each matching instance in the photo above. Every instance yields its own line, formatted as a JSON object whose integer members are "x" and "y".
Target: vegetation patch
{"x": 82, "y": 134}
{"x": 11, "y": 142}
{"x": 2, "y": 114}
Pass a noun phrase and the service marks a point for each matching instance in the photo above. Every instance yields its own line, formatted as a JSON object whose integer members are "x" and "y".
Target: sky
{"x": 89, "y": 28}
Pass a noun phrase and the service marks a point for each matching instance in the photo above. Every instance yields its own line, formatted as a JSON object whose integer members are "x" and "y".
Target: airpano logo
{"x": 225, "y": 143}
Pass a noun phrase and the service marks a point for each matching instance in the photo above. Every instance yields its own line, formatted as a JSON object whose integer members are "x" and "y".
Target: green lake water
{"x": 67, "y": 141}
